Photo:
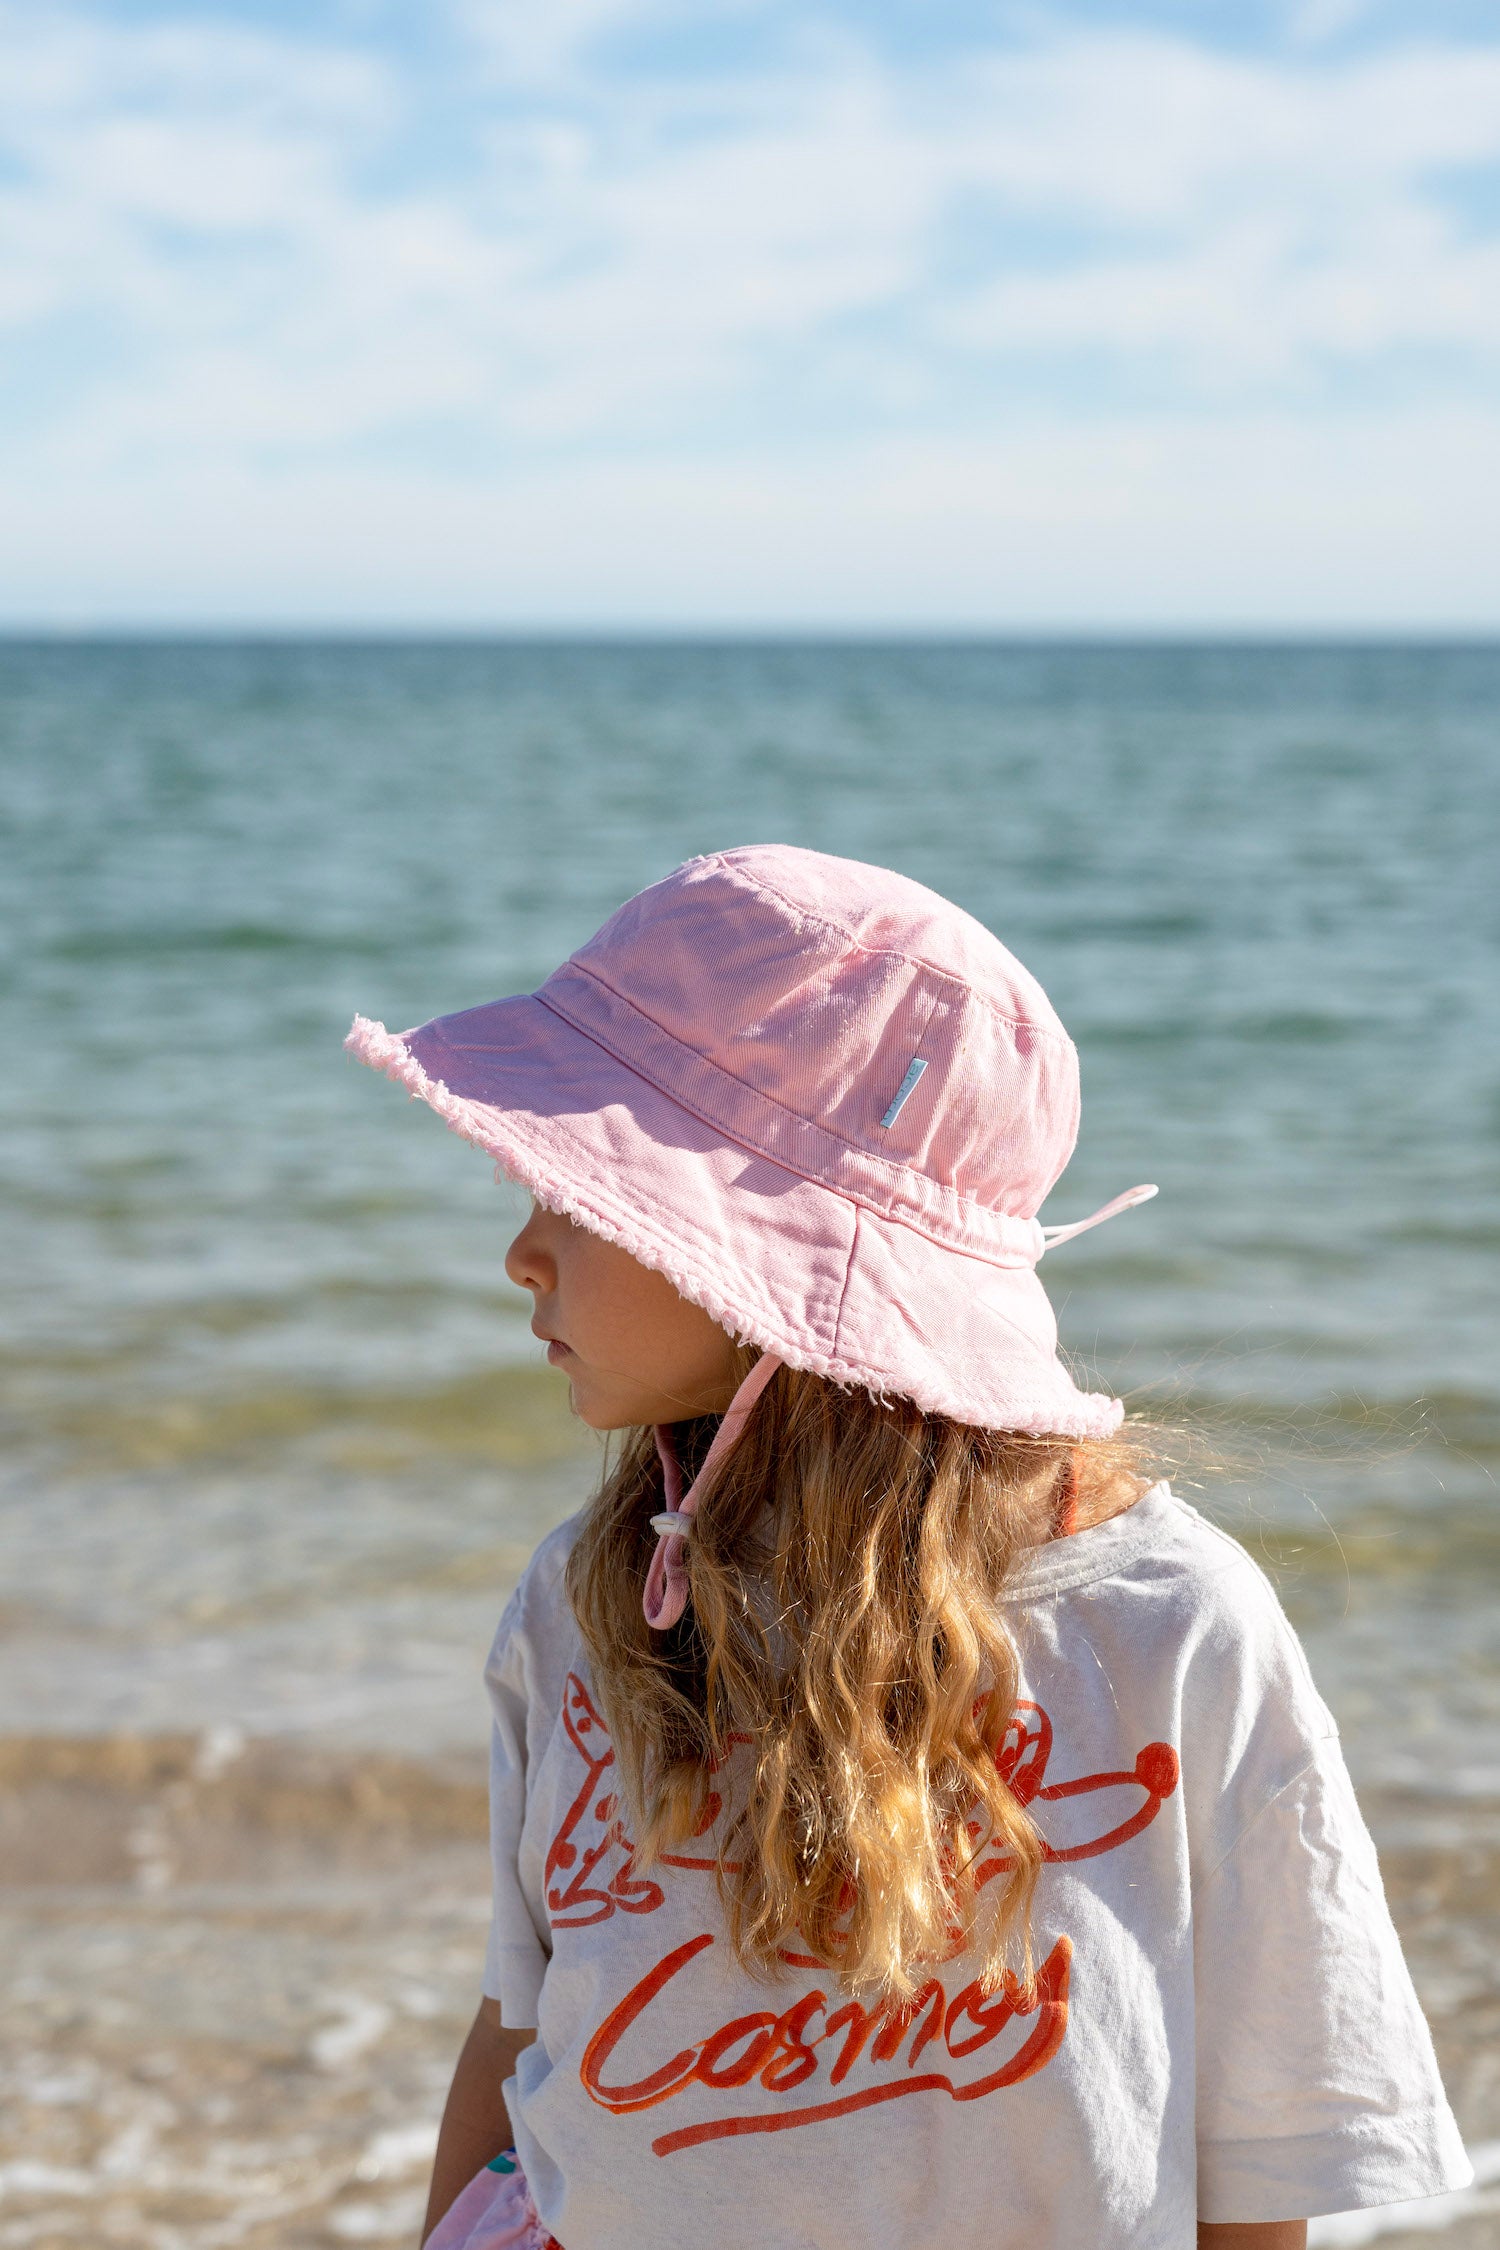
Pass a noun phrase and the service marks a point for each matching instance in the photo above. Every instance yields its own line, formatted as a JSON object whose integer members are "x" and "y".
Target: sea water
{"x": 277, "y": 1441}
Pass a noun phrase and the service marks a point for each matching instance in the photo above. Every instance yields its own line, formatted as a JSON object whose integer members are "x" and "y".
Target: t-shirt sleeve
{"x": 517, "y": 1954}
{"x": 1318, "y": 2089}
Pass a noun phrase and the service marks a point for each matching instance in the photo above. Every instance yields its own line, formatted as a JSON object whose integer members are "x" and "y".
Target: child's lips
{"x": 557, "y": 1352}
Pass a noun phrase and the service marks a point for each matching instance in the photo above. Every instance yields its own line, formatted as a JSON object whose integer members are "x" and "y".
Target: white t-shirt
{"x": 1222, "y": 2027}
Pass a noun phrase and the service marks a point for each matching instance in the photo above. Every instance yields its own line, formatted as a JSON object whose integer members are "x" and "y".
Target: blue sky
{"x": 635, "y": 313}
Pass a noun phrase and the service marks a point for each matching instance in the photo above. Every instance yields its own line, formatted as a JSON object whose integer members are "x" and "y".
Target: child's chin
{"x": 594, "y": 1412}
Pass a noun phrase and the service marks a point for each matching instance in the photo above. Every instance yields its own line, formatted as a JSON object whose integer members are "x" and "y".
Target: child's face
{"x": 631, "y": 1348}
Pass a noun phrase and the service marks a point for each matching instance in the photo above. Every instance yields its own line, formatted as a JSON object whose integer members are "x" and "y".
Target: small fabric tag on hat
{"x": 904, "y": 1091}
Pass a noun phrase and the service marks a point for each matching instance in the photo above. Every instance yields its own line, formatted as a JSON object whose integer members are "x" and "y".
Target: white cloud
{"x": 616, "y": 288}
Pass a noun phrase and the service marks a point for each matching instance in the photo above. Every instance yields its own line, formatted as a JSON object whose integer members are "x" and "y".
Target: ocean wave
{"x": 216, "y": 1807}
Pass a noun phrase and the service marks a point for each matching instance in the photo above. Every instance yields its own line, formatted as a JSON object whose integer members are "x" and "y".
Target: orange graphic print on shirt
{"x": 589, "y": 1873}
{"x": 802, "y": 2054}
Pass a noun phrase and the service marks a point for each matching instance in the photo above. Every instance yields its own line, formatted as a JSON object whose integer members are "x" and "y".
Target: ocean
{"x": 277, "y": 1439}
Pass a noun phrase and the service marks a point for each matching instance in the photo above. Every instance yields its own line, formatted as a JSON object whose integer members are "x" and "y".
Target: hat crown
{"x": 819, "y": 983}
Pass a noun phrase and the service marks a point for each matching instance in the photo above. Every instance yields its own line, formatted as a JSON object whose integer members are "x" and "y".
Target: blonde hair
{"x": 845, "y": 1629}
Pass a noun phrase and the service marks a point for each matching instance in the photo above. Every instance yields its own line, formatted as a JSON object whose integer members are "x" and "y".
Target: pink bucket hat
{"x": 821, "y": 1100}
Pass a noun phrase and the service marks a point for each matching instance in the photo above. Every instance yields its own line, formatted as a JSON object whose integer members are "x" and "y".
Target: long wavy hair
{"x": 845, "y": 1636}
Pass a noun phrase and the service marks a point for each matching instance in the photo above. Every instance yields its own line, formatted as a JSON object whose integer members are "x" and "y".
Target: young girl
{"x": 908, "y": 1827}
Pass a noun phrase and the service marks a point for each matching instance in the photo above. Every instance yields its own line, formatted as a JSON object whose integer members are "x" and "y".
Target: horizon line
{"x": 1278, "y": 635}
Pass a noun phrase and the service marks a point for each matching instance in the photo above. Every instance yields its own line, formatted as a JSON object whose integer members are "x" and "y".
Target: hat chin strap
{"x": 666, "y": 1592}
{"x": 1052, "y": 1236}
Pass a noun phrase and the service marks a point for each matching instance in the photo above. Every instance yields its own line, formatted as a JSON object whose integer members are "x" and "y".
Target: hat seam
{"x": 995, "y": 1314}
{"x": 838, "y": 1318}
{"x": 892, "y": 1166}
{"x": 1059, "y": 1032}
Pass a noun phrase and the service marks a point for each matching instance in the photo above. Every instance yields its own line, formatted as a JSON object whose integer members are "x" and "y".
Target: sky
{"x": 701, "y": 315}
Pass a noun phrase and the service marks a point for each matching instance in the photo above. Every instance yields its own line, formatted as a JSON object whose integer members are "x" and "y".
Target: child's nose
{"x": 528, "y": 1265}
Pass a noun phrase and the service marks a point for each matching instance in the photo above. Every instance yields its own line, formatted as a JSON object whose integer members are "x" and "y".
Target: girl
{"x": 908, "y": 1827}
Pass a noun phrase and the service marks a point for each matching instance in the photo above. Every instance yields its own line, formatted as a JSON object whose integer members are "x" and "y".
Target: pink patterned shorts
{"x": 495, "y": 2212}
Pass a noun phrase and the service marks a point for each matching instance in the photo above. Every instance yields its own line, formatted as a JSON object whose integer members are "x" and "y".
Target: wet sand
{"x": 237, "y": 1988}
{"x": 238, "y": 1976}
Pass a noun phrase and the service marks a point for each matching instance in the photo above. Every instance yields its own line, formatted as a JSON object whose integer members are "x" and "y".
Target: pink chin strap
{"x": 666, "y": 1592}
{"x": 1052, "y": 1236}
